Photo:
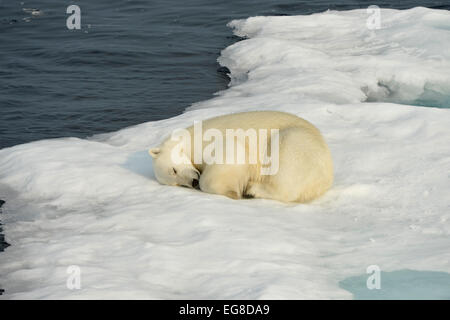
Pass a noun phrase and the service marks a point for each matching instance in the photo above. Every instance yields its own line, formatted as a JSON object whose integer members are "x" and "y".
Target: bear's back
{"x": 256, "y": 120}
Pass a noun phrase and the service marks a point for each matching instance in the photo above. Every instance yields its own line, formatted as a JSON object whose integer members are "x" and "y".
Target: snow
{"x": 94, "y": 203}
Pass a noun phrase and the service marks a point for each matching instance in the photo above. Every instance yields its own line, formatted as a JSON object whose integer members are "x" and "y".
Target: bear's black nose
{"x": 195, "y": 183}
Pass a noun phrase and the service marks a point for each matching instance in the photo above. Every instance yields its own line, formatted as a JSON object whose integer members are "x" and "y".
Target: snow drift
{"x": 95, "y": 203}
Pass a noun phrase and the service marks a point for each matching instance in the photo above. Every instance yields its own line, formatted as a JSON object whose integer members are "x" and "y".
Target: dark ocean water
{"x": 132, "y": 61}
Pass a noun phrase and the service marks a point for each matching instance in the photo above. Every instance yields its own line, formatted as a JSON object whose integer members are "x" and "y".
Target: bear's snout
{"x": 195, "y": 184}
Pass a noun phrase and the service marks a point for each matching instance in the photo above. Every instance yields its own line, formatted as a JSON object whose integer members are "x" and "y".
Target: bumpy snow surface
{"x": 95, "y": 203}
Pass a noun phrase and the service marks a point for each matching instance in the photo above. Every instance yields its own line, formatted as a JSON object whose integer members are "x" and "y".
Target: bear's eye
{"x": 174, "y": 171}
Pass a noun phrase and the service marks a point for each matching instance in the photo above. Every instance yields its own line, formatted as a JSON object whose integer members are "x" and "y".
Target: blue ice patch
{"x": 401, "y": 285}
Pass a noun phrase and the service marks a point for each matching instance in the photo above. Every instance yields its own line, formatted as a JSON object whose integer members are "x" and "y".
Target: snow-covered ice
{"x": 95, "y": 203}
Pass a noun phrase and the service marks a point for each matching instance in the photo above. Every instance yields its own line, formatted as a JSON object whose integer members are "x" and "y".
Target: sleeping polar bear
{"x": 300, "y": 170}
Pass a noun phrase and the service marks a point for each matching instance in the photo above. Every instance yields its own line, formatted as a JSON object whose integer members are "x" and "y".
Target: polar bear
{"x": 304, "y": 169}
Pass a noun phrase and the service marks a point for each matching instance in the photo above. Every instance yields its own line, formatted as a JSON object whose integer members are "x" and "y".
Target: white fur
{"x": 305, "y": 164}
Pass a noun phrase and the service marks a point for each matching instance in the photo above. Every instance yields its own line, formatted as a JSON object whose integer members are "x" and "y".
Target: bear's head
{"x": 173, "y": 167}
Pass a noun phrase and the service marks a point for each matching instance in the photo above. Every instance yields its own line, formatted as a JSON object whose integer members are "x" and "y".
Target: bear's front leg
{"x": 259, "y": 190}
{"x": 226, "y": 180}
{"x": 233, "y": 195}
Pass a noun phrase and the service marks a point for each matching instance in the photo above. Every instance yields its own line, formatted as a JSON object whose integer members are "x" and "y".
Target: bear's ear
{"x": 154, "y": 152}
